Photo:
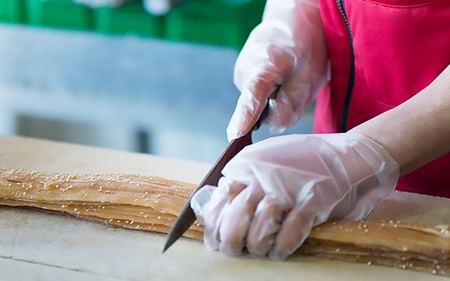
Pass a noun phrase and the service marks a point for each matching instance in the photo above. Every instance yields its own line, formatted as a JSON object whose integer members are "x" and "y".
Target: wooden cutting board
{"x": 36, "y": 245}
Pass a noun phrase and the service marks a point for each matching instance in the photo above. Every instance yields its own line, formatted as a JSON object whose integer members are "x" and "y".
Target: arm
{"x": 417, "y": 131}
{"x": 281, "y": 187}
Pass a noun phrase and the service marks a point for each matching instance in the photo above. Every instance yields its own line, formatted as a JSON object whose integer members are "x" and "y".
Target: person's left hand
{"x": 273, "y": 192}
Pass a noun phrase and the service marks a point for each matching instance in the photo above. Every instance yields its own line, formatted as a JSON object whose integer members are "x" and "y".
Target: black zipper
{"x": 351, "y": 77}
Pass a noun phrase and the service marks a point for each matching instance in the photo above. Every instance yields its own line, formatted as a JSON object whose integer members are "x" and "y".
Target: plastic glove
{"x": 273, "y": 192}
{"x": 101, "y": 3}
{"x": 287, "y": 48}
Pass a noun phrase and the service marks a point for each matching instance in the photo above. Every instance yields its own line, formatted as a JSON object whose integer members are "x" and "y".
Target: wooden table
{"x": 39, "y": 246}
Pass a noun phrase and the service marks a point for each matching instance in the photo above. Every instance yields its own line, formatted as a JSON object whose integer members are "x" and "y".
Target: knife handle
{"x": 265, "y": 112}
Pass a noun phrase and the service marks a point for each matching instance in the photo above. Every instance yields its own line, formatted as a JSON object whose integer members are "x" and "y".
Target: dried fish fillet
{"x": 130, "y": 201}
{"x": 152, "y": 204}
{"x": 394, "y": 244}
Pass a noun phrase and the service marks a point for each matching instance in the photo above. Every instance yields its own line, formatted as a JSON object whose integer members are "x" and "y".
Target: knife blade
{"x": 187, "y": 215}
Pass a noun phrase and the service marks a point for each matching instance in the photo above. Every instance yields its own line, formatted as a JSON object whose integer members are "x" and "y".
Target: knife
{"x": 187, "y": 215}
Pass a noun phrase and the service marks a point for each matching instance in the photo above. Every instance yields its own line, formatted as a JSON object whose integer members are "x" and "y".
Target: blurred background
{"x": 150, "y": 76}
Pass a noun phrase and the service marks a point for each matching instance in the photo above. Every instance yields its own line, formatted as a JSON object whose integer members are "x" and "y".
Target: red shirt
{"x": 382, "y": 53}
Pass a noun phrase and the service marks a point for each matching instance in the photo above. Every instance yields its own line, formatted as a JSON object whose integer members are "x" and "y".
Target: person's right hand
{"x": 288, "y": 49}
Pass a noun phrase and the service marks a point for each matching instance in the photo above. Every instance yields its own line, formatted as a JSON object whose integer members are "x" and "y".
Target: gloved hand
{"x": 287, "y": 48}
{"x": 273, "y": 192}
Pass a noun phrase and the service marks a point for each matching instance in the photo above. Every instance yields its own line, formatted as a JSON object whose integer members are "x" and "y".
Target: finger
{"x": 266, "y": 222}
{"x": 280, "y": 113}
{"x": 236, "y": 219}
{"x": 294, "y": 230}
{"x": 213, "y": 211}
{"x": 253, "y": 99}
{"x": 199, "y": 201}
{"x": 246, "y": 113}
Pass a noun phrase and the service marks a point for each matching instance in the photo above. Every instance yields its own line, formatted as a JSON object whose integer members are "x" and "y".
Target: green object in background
{"x": 219, "y": 22}
{"x": 59, "y": 13}
{"x": 131, "y": 18}
{"x": 12, "y": 11}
